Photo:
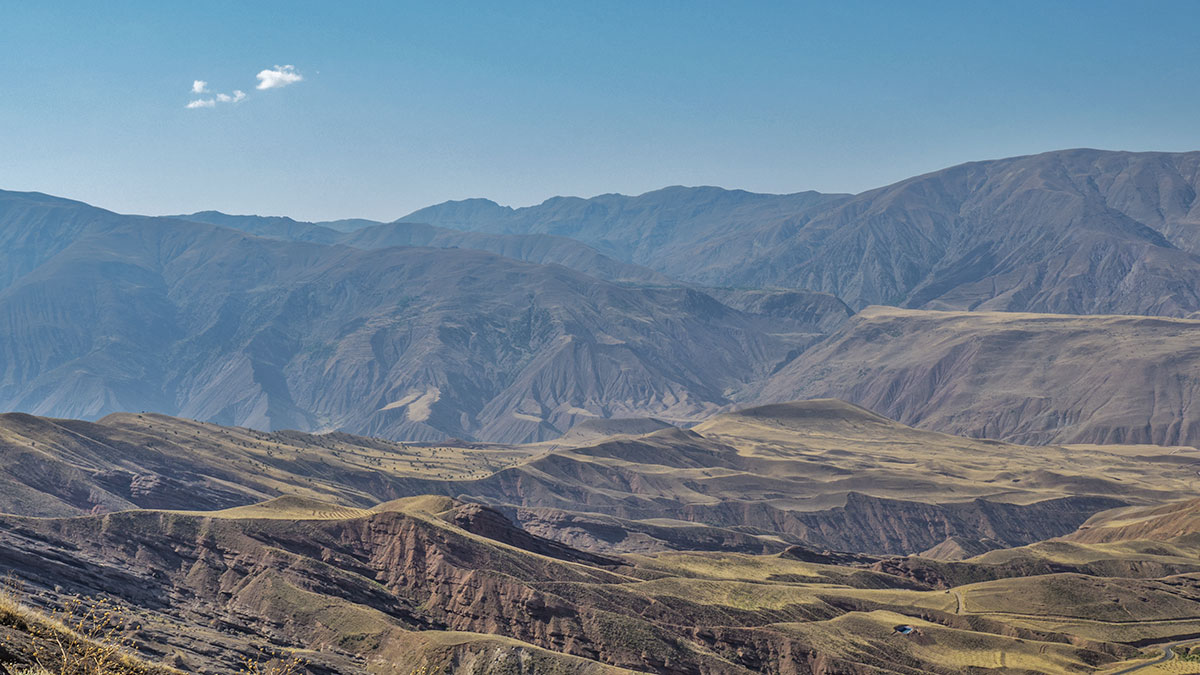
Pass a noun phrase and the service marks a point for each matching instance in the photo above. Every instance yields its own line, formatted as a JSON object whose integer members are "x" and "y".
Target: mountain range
{"x": 117, "y": 313}
{"x": 475, "y": 321}
{"x": 1027, "y": 378}
{"x": 1074, "y": 232}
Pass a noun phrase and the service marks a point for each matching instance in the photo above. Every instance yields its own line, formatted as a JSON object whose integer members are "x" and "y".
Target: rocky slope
{"x": 1175, "y": 521}
{"x": 1026, "y": 378}
{"x": 381, "y": 590}
{"x": 720, "y": 549}
{"x": 371, "y": 579}
{"x": 102, "y": 313}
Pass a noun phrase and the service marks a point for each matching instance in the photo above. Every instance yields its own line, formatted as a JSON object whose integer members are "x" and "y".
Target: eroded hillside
{"x": 1027, "y": 378}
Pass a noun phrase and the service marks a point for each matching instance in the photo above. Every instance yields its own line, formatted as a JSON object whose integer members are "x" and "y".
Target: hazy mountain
{"x": 1076, "y": 231}
{"x": 647, "y": 229}
{"x": 281, "y": 227}
{"x": 535, "y": 248}
{"x": 1029, "y": 378}
{"x": 313, "y": 328}
{"x": 106, "y": 313}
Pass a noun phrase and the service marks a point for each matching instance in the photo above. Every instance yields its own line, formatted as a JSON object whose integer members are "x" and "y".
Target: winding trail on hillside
{"x": 1167, "y": 655}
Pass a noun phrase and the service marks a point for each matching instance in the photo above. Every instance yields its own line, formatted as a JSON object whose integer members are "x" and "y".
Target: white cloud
{"x": 237, "y": 96}
{"x": 199, "y": 87}
{"x": 279, "y": 76}
{"x": 202, "y": 103}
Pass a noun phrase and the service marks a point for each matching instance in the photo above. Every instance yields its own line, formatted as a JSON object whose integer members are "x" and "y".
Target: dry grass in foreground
{"x": 87, "y": 638}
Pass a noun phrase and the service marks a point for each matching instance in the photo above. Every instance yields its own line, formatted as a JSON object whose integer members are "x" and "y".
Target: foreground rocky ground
{"x": 812, "y": 537}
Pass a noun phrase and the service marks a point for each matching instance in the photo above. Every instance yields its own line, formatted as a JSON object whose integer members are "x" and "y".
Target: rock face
{"x": 1075, "y": 231}
{"x": 1020, "y": 377}
{"x": 383, "y": 575}
{"x": 397, "y": 591}
{"x": 1164, "y": 523}
{"x": 102, "y": 313}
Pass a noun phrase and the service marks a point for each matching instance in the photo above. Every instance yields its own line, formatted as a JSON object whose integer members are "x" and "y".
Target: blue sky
{"x": 402, "y": 105}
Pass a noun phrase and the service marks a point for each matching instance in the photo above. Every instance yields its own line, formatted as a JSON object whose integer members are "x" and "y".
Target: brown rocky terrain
{"x": 1168, "y": 522}
{"x": 765, "y": 540}
{"x": 823, "y": 473}
{"x": 360, "y": 591}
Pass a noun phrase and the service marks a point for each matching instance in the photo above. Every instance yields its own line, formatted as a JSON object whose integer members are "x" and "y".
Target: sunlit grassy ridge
{"x": 1027, "y": 622}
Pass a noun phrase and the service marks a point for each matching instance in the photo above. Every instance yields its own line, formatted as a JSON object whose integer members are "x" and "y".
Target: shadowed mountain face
{"x": 1028, "y": 378}
{"x": 1077, "y": 232}
{"x": 102, "y": 313}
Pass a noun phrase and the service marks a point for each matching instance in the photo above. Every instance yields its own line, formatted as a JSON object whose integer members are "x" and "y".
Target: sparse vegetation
{"x": 77, "y": 638}
{"x": 91, "y": 637}
{"x": 352, "y": 582}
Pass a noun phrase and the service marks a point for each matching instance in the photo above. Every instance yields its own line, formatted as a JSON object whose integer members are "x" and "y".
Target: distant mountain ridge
{"x": 535, "y": 248}
{"x": 1074, "y": 231}
{"x": 641, "y": 229}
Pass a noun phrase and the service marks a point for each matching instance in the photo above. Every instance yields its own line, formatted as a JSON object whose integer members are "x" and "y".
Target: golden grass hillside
{"x": 411, "y": 584}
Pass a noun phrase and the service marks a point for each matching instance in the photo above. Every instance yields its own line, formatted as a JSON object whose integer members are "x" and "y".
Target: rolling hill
{"x": 433, "y": 585}
{"x": 823, "y": 474}
{"x": 302, "y": 551}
